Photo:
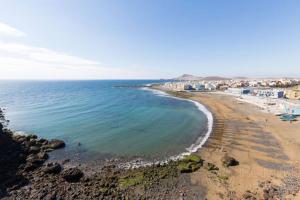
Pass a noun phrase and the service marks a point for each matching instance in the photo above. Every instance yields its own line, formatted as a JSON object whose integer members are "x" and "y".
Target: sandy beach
{"x": 265, "y": 147}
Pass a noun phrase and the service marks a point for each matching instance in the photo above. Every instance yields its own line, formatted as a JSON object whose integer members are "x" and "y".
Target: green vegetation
{"x": 184, "y": 167}
{"x": 145, "y": 177}
{"x": 223, "y": 177}
{"x": 148, "y": 176}
{"x": 192, "y": 158}
{"x": 131, "y": 180}
{"x": 190, "y": 163}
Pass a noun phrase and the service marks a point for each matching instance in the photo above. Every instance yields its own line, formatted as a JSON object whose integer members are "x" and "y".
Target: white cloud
{"x": 42, "y": 55}
{"x": 20, "y": 61}
{"x": 6, "y": 30}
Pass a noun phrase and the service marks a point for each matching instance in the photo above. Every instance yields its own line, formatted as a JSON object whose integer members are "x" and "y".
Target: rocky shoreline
{"x": 25, "y": 173}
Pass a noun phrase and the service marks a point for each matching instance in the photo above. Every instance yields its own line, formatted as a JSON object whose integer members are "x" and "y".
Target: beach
{"x": 250, "y": 154}
{"x": 265, "y": 147}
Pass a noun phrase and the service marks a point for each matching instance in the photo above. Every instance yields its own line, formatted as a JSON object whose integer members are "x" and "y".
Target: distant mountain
{"x": 187, "y": 77}
{"x": 240, "y": 77}
{"x": 215, "y": 78}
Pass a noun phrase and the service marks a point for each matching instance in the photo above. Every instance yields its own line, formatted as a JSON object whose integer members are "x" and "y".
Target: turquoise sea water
{"x": 105, "y": 120}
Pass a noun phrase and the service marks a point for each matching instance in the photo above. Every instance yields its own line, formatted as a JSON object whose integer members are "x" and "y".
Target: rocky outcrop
{"x": 52, "y": 168}
{"x": 23, "y": 163}
{"x": 228, "y": 161}
{"x": 20, "y": 156}
{"x": 72, "y": 174}
{"x": 56, "y": 144}
{"x": 1, "y": 128}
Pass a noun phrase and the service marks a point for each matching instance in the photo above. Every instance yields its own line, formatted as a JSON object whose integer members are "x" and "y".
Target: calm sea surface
{"x": 105, "y": 120}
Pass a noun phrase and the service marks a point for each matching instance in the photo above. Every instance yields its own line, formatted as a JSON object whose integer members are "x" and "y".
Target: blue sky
{"x": 132, "y": 39}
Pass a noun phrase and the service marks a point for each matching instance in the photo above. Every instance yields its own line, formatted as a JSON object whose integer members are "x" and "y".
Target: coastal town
{"x": 277, "y": 96}
{"x": 149, "y": 100}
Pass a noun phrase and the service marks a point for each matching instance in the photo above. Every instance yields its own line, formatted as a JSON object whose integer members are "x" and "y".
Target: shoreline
{"x": 264, "y": 152}
{"x": 139, "y": 162}
{"x": 30, "y": 175}
{"x": 128, "y": 162}
{"x": 194, "y": 147}
{"x": 265, "y": 147}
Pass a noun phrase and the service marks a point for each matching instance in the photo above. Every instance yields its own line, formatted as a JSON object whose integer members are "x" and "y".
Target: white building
{"x": 210, "y": 86}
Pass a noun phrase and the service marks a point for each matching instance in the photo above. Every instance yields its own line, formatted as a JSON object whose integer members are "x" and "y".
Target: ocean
{"x": 98, "y": 120}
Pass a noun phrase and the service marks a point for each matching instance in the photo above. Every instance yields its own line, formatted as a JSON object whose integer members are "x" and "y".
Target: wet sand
{"x": 266, "y": 148}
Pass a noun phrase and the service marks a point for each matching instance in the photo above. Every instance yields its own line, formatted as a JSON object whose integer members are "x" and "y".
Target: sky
{"x": 148, "y": 39}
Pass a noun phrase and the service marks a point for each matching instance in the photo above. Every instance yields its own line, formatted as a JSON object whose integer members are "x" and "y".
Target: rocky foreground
{"x": 25, "y": 173}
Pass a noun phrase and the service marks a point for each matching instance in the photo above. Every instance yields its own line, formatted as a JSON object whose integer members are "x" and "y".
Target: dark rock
{"x": 21, "y": 139}
{"x": 31, "y": 166}
{"x": 43, "y": 141}
{"x": 271, "y": 192}
{"x": 34, "y": 149}
{"x": 26, "y": 144}
{"x": 31, "y": 136}
{"x": 33, "y": 158}
{"x": 229, "y": 161}
{"x": 56, "y": 144}
{"x": 1, "y": 127}
{"x": 22, "y": 157}
{"x": 42, "y": 155}
{"x": 32, "y": 142}
{"x": 72, "y": 174}
{"x": 52, "y": 168}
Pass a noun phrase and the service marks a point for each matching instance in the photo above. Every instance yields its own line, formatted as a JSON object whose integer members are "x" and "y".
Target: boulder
{"x": 56, "y": 144}
{"x": 33, "y": 142}
{"x": 34, "y": 149}
{"x": 42, "y": 155}
{"x": 33, "y": 158}
{"x": 42, "y": 141}
{"x": 26, "y": 144}
{"x": 52, "y": 168}
{"x": 72, "y": 174}
{"x": 31, "y": 136}
{"x": 31, "y": 166}
{"x": 21, "y": 139}
{"x": 228, "y": 161}
{"x": 1, "y": 128}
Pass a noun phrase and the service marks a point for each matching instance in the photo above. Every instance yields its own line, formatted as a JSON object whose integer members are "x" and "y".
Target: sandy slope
{"x": 267, "y": 149}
